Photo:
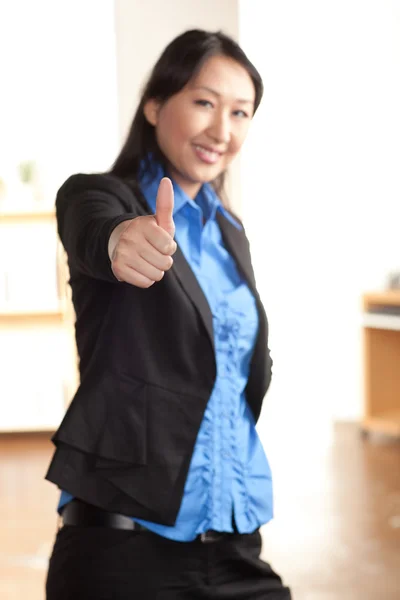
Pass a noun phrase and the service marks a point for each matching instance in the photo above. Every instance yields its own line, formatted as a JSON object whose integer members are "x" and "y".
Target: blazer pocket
{"x": 108, "y": 420}
{"x": 123, "y": 436}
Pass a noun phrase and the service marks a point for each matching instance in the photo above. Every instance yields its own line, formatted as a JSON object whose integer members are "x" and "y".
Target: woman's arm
{"x": 88, "y": 209}
{"x": 107, "y": 236}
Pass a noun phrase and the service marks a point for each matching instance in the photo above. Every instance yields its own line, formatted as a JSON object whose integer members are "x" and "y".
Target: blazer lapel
{"x": 191, "y": 286}
{"x": 236, "y": 243}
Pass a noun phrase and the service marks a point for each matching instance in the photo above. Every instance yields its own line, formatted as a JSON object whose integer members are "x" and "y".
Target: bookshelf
{"x": 37, "y": 346}
{"x": 381, "y": 336}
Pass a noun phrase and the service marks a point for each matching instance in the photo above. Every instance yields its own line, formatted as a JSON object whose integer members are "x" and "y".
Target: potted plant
{"x": 27, "y": 171}
{"x": 28, "y": 176}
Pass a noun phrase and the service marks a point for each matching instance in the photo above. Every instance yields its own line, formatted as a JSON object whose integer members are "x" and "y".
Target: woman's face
{"x": 202, "y": 128}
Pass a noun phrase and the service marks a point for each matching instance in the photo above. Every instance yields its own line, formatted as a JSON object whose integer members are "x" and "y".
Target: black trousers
{"x": 94, "y": 563}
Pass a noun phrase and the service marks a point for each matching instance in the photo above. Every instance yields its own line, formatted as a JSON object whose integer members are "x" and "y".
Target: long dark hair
{"x": 181, "y": 60}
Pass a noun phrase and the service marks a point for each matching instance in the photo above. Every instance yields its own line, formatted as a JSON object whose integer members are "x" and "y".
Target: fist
{"x": 141, "y": 249}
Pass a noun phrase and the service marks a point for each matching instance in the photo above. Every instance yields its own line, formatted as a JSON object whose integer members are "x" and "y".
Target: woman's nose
{"x": 220, "y": 129}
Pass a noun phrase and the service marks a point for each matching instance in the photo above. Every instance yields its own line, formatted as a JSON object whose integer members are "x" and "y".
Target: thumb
{"x": 165, "y": 206}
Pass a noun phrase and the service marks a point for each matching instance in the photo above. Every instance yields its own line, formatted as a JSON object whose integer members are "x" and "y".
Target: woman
{"x": 164, "y": 481}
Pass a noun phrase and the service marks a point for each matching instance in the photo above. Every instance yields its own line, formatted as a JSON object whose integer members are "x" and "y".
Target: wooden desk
{"x": 381, "y": 332}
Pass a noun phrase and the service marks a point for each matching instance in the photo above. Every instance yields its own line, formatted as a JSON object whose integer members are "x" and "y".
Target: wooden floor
{"x": 335, "y": 536}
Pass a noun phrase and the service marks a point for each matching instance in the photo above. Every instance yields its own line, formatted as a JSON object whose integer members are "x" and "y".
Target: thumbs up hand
{"x": 141, "y": 249}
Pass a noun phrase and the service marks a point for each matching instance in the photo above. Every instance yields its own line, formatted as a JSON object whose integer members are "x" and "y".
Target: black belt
{"x": 82, "y": 514}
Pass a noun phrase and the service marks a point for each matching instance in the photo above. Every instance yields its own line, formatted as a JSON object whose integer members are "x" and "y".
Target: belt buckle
{"x": 209, "y": 537}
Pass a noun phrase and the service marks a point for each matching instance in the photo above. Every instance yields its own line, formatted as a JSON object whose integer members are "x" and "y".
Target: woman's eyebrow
{"x": 212, "y": 91}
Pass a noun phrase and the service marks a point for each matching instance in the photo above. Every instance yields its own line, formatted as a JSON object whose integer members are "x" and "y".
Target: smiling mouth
{"x": 206, "y": 155}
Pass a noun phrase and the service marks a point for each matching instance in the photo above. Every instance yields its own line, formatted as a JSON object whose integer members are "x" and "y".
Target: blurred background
{"x": 318, "y": 188}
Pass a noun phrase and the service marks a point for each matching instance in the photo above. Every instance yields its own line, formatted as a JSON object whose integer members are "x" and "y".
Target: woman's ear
{"x": 151, "y": 110}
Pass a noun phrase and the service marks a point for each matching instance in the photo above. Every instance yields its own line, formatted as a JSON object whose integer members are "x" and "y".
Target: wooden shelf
{"x": 30, "y": 429}
{"x": 8, "y": 316}
{"x": 387, "y": 423}
{"x": 381, "y": 335}
{"x": 34, "y": 215}
{"x": 374, "y": 300}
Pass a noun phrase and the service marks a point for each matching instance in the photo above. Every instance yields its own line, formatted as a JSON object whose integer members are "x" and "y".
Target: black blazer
{"x": 147, "y": 361}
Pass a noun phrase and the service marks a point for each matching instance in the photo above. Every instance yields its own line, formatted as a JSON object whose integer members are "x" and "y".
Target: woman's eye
{"x": 205, "y": 103}
{"x": 241, "y": 114}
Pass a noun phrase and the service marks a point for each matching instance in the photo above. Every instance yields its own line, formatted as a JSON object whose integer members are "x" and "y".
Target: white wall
{"x": 58, "y": 86}
{"x": 321, "y": 188}
{"x": 144, "y": 28}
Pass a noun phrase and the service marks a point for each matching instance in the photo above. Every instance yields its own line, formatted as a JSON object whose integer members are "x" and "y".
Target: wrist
{"x": 115, "y": 236}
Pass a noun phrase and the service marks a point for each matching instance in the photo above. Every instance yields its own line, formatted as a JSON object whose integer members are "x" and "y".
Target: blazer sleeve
{"x": 88, "y": 208}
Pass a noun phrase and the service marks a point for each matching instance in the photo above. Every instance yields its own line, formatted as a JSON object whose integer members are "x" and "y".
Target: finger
{"x": 157, "y": 259}
{"x": 160, "y": 239}
{"x": 165, "y": 206}
{"x": 146, "y": 269}
{"x": 135, "y": 278}
{"x": 131, "y": 276}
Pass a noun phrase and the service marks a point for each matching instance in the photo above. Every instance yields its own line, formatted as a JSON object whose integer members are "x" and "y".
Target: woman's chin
{"x": 204, "y": 173}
